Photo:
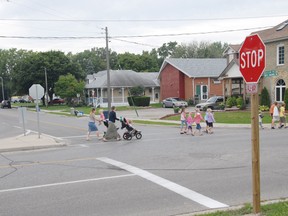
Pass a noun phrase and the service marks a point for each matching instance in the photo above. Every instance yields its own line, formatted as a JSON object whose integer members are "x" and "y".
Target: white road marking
{"x": 64, "y": 183}
{"x": 185, "y": 192}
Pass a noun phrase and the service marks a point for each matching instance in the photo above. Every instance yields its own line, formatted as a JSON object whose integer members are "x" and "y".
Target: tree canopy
{"x": 68, "y": 87}
{"x": 22, "y": 68}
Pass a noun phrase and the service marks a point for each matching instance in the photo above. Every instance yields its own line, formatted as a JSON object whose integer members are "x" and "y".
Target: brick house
{"x": 275, "y": 76}
{"x": 195, "y": 79}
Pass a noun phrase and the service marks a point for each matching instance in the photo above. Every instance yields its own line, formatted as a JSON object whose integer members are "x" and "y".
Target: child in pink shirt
{"x": 197, "y": 119}
{"x": 189, "y": 123}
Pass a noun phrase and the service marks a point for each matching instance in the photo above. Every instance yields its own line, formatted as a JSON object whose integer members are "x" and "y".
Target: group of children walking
{"x": 189, "y": 118}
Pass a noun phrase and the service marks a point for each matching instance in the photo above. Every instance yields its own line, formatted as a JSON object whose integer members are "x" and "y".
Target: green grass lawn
{"x": 231, "y": 117}
{"x": 275, "y": 209}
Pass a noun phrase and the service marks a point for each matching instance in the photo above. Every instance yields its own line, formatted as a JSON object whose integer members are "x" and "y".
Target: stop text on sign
{"x": 251, "y": 59}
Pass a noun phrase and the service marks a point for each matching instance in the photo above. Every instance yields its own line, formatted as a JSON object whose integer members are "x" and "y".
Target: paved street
{"x": 164, "y": 173}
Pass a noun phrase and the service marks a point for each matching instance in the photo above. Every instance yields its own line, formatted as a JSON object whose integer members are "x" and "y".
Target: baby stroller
{"x": 130, "y": 131}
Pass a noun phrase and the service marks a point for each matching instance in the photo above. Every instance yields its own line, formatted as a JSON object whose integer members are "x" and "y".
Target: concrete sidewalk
{"x": 30, "y": 141}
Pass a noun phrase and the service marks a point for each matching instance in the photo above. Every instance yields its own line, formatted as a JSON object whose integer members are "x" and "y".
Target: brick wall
{"x": 271, "y": 64}
{"x": 169, "y": 82}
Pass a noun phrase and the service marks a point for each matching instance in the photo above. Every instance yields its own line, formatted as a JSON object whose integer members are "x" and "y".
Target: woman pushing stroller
{"x": 112, "y": 129}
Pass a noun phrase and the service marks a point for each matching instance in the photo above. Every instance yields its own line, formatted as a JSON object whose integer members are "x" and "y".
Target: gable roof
{"x": 277, "y": 33}
{"x": 228, "y": 68}
{"x": 122, "y": 78}
{"x": 197, "y": 67}
{"x": 232, "y": 48}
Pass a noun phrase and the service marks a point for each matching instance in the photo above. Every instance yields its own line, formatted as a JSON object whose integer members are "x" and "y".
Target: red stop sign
{"x": 252, "y": 58}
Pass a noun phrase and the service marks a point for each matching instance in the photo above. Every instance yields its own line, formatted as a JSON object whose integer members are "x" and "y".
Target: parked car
{"x": 174, "y": 102}
{"x": 23, "y": 100}
{"x": 6, "y": 103}
{"x": 212, "y": 103}
{"x": 14, "y": 99}
{"x": 57, "y": 101}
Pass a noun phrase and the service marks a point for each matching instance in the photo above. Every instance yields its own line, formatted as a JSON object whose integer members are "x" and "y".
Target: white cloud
{"x": 132, "y": 11}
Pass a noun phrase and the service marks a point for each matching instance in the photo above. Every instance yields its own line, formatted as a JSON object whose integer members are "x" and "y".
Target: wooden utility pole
{"x": 108, "y": 71}
{"x": 255, "y": 152}
{"x": 252, "y": 63}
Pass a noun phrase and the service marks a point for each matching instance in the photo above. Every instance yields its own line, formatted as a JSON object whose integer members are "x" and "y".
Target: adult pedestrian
{"x": 112, "y": 129}
{"x": 275, "y": 115}
{"x": 92, "y": 124}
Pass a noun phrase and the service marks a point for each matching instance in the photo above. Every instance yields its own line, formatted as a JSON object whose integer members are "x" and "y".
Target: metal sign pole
{"x": 37, "y": 110}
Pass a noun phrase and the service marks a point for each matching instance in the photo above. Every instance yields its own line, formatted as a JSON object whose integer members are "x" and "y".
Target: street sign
{"x": 252, "y": 88}
{"x": 270, "y": 73}
{"x": 36, "y": 90}
{"x": 252, "y": 58}
{"x": 252, "y": 64}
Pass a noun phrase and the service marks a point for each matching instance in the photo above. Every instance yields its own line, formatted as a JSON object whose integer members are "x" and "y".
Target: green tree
{"x": 30, "y": 70}
{"x": 9, "y": 59}
{"x": 167, "y": 49}
{"x": 94, "y": 60}
{"x": 68, "y": 87}
{"x": 137, "y": 91}
{"x": 201, "y": 49}
{"x": 264, "y": 97}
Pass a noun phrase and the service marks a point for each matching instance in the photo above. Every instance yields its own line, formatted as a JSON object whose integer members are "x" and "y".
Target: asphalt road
{"x": 164, "y": 173}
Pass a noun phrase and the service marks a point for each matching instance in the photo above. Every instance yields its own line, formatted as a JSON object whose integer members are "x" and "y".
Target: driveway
{"x": 149, "y": 113}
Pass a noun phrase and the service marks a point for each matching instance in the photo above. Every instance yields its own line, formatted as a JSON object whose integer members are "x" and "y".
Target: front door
{"x": 204, "y": 92}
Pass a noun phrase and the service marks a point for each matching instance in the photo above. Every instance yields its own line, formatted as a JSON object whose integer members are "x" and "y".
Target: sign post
{"x": 252, "y": 64}
{"x": 36, "y": 91}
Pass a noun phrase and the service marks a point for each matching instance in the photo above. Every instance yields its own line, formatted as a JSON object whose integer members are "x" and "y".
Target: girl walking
{"x": 183, "y": 121}
{"x": 189, "y": 123}
{"x": 210, "y": 120}
{"x": 197, "y": 119}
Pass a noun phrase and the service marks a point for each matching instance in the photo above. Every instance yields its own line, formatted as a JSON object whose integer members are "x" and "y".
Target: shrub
{"x": 240, "y": 103}
{"x": 264, "y": 97}
{"x": 137, "y": 91}
{"x": 263, "y": 108}
{"x": 139, "y": 101}
{"x": 221, "y": 106}
{"x": 176, "y": 109}
{"x": 286, "y": 98}
{"x": 231, "y": 101}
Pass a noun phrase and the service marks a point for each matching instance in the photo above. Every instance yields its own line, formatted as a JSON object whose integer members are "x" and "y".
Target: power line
{"x": 131, "y": 36}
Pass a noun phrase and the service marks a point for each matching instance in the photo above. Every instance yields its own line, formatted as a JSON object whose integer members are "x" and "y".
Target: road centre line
{"x": 64, "y": 183}
{"x": 183, "y": 191}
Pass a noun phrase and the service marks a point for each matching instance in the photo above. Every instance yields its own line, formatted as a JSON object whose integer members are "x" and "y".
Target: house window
{"x": 280, "y": 90}
{"x": 204, "y": 92}
{"x": 280, "y": 54}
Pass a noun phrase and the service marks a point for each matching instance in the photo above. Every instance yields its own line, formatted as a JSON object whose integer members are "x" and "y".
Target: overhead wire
{"x": 132, "y": 36}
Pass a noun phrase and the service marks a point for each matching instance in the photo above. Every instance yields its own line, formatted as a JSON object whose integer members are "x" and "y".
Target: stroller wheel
{"x": 129, "y": 136}
{"x": 138, "y": 135}
{"x": 125, "y": 135}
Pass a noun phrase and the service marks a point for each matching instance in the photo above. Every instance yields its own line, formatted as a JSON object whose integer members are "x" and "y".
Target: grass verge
{"x": 274, "y": 209}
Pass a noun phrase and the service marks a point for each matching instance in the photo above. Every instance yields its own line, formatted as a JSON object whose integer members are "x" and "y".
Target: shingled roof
{"x": 123, "y": 78}
{"x": 197, "y": 67}
{"x": 277, "y": 33}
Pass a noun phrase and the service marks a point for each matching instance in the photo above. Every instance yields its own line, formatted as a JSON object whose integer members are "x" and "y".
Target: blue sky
{"x": 133, "y": 26}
